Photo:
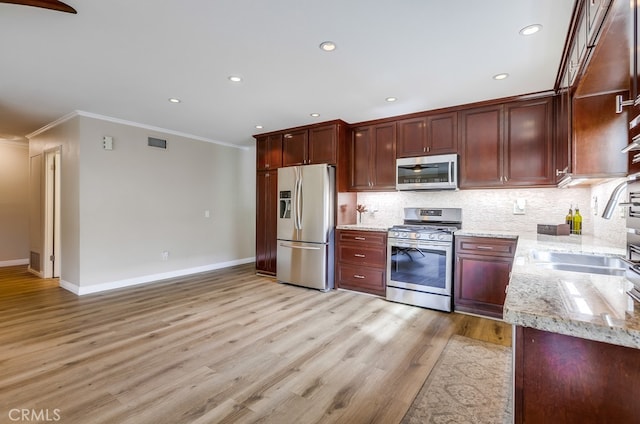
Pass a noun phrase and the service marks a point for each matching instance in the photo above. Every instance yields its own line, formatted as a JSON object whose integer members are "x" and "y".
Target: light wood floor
{"x": 220, "y": 347}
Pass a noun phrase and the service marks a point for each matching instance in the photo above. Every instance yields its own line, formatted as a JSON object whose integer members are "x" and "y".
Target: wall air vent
{"x": 157, "y": 142}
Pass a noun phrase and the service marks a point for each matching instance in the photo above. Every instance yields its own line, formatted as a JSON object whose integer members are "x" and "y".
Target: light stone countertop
{"x": 590, "y": 306}
{"x": 363, "y": 227}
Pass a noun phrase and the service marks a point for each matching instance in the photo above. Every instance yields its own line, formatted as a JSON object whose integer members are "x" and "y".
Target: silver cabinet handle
{"x": 484, "y": 247}
{"x": 361, "y": 277}
{"x": 359, "y": 238}
{"x": 359, "y": 255}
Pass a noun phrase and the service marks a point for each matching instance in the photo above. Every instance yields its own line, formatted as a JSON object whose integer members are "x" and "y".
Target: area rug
{"x": 470, "y": 383}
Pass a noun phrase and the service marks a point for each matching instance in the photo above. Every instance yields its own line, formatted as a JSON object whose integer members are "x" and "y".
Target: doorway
{"x": 52, "y": 253}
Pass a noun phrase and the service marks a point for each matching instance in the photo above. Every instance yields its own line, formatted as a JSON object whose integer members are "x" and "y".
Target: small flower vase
{"x": 359, "y": 217}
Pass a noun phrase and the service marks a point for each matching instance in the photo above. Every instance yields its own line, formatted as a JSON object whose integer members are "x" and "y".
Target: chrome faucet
{"x": 615, "y": 195}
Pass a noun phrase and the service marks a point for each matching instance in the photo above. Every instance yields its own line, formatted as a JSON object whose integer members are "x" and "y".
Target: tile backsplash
{"x": 493, "y": 210}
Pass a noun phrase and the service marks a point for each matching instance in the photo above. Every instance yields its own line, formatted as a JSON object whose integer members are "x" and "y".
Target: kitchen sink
{"x": 579, "y": 262}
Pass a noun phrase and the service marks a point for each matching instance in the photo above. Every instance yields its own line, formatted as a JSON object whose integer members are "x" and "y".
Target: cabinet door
{"x": 384, "y": 157}
{"x": 323, "y": 144}
{"x": 481, "y": 147}
{"x": 595, "y": 11}
{"x": 563, "y": 133}
{"x": 266, "y": 221}
{"x": 598, "y": 136}
{"x": 442, "y": 133}
{"x": 528, "y": 147}
{"x": 360, "y": 154}
{"x": 412, "y": 137}
{"x": 294, "y": 148}
{"x": 480, "y": 284}
{"x": 269, "y": 152}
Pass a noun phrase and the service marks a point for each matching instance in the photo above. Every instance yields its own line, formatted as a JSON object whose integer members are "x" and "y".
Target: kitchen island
{"x": 576, "y": 337}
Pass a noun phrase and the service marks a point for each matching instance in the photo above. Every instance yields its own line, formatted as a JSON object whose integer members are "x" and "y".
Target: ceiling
{"x": 124, "y": 59}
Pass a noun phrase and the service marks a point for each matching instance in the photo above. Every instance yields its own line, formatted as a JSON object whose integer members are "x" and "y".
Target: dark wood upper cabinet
{"x": 323, "y": 144}
{"x": 528, "y": 145}
{"x": 295, "y": 148}
{"x": 311, "y": 146}
{"x": 373, "y": 158}
{"x": 428, "y": 135}
{"x": 269, "y": 152}
{"x": 507, "y": 145}
{"x": 481, "y": 142}
{"x": 599, "y": 134}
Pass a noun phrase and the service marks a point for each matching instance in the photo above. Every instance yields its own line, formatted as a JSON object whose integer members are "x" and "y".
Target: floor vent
{"x": 34, "y": 261}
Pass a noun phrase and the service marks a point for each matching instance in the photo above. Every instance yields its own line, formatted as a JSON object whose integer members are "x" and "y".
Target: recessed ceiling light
{"x": 259, "y": 127}
{"x": 500, "y": 76}
{"x": 315, "y": 115}
{"x": 174, "y": 100}
{"x": 328, "y": 46}
{"x": 391, "y": 99}
{"x": 530, "y": 29}
{"x": 235, "y": 78}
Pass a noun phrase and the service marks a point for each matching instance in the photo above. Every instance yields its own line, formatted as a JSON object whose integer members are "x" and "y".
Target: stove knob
{"x": 432, "y": 236}
{"x": 396, "y": 234}
{"x": 418, "y": 235}
{"x": 440, "y": 236}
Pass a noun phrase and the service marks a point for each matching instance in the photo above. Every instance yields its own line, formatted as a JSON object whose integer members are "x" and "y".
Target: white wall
{"x": 14, "y": 203}
{"x": 63, "y": 135}
{"x": 135, "y": 202}
{"x": 493, "y": 209}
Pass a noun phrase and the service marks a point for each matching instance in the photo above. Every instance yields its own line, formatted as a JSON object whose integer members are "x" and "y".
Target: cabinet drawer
{"x": 486, "y": 246}
{"x": 362, "y": 255}
{"x": 368, "y": 237}
{"x": 365, "y": 279}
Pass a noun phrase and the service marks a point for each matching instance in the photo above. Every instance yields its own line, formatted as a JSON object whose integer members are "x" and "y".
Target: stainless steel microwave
{"x": 438, "y": 172}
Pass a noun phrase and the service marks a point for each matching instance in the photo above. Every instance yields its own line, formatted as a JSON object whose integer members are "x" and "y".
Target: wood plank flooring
{"x": 220, "y": 347}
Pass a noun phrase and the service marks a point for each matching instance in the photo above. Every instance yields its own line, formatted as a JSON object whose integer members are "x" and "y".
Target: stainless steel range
{"x": 420, "y": 258}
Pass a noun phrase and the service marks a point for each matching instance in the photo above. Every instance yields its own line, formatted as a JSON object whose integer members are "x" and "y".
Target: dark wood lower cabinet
{"x": 266, "y": 221}
{"x": 481, "y": 274}
{"x": 361, "y": 261}
{"x": 563, "y": 379}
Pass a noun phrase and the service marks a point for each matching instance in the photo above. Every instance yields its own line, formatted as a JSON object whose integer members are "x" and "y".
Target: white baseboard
{"x": 14, "y": 262}
{"x": 146, "y": 279}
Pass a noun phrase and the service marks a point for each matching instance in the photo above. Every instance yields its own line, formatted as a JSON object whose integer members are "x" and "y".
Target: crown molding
{"x": 130, "y": 124}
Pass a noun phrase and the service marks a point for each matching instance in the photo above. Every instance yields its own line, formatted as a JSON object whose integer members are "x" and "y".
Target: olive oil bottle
{"x": 569, "y": 220}
{"x": 577, "y": 222}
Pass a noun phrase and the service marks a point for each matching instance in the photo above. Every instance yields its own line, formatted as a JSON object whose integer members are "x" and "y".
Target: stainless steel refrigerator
{"x": 306, "y": 203}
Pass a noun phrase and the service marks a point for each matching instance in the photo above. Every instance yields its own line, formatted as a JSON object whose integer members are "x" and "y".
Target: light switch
{"x": 107, "y": 143}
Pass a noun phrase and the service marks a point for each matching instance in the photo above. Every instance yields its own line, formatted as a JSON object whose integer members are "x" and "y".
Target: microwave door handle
{"x": 450, "y": 172}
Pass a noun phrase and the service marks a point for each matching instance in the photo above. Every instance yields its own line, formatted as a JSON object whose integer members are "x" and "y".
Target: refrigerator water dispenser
{"x": 285, "y": 204}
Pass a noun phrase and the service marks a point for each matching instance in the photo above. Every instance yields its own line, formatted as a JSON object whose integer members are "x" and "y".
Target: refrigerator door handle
{"x": 291, "y": 246}
{"x": 300, "y": 201}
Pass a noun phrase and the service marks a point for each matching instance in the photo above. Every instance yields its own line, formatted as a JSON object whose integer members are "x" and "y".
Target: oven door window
{"x": 421, "y": 268}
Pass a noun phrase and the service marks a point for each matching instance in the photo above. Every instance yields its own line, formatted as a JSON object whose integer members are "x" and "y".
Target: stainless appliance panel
{"x": 305, "y": 264}
{"x": 438, "y": 172}
{"x": 425, "y": 267}
{"x": 425, "y": 300}
{"x": 305, "y": 232}
{"x": 306, "y": 199}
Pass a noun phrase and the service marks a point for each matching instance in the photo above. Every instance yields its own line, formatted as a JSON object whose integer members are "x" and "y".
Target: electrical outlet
{"x": 207, "y": 214}
{"x": 519, "y": 207}
{"x": 165, "y": 255}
